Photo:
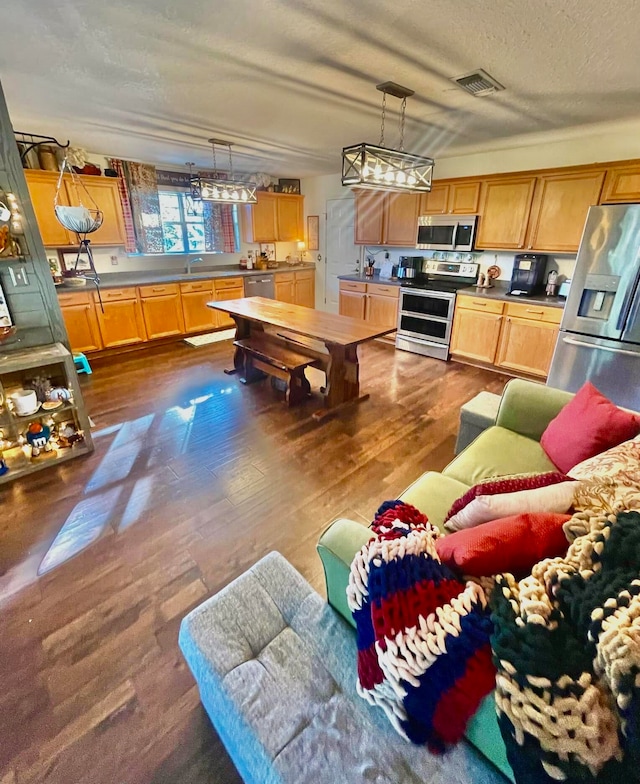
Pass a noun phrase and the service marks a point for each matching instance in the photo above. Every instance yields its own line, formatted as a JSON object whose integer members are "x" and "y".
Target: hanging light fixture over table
{"x": 377, "y": 167}
{"x": 222, "y": 191}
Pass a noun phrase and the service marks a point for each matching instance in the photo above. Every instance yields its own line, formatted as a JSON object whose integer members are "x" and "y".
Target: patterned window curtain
{"x": 130, "y": 245}
{"x": 145, "y": 206}
{"x": 219, "y": 233}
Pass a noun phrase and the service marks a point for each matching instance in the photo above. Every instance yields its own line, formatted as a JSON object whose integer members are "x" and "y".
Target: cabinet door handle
{"x": 480, "y": 304}
{"x": 162, "y": 289}
{"x": 536, "y": 312}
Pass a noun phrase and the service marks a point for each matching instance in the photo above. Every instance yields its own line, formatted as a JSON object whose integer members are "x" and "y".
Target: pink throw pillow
{"x": 589, "y": 424}
{"x": 512, "y": 544}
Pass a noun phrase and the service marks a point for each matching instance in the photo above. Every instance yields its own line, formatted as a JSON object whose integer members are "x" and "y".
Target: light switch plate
{"x": 18, "y": 276}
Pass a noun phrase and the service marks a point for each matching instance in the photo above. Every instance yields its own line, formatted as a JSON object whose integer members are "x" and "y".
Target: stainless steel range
{"x": 427, "y": 302}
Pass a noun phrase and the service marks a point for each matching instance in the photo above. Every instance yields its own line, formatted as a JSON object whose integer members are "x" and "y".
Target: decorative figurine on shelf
{"x": 59, "y": 394}
{"x": 39, "y": 438}
{"x": 42, "y": 387}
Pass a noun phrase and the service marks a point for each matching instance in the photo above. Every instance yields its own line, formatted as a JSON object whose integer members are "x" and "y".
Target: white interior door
{"x": 343, "y": 255}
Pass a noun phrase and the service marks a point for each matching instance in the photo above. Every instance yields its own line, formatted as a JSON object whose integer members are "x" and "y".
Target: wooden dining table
{"x": 329, "y": 340}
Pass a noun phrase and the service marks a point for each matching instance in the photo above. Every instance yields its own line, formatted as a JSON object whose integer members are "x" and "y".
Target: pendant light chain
{"x": 384, "y": 108}
{"x": 230, "y": 164}
{"x": 215, "y": 165}
{"x": 402, "y": 113}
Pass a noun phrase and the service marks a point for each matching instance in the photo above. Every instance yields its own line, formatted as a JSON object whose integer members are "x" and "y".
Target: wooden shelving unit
{"x": 17, "y": 369}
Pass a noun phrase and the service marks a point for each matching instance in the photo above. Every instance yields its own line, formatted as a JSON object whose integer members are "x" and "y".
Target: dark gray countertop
{"x": 110, "y": 280}
{"x": 499, "y": 291}
{"x": 378, "y": 279}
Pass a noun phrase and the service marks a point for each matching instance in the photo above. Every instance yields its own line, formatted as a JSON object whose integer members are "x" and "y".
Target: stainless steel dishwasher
{"x": 260, "y": 286}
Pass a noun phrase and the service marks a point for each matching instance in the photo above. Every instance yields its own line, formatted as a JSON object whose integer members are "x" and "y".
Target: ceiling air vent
{"x": 478, "y": 83}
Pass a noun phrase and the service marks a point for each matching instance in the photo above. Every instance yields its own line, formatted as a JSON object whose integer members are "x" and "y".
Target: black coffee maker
{"x": 527, "y": 277}
{"x": 409, "y": 266}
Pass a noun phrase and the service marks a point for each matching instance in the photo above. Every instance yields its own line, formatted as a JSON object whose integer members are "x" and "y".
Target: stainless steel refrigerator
{"x": 599, "y": 339}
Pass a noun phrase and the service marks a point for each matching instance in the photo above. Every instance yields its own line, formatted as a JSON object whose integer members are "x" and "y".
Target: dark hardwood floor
{"x": 194, "y": 478}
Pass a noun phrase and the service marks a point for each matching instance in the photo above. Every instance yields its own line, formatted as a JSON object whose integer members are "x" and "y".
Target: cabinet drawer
{"x": 115, "y": 295}
{"x": 476, "y": 303}
{"x": 161, "y": 290}
{"x": 349, "y": 285}
{"x": 383, "y": 291}
{"x": 227, "y": 283}
{"x": 75, "y": 298}
{"x": 534, "y": 312}
{"x": 305, "y": 275}
{"x": 201, "y": 285}
{"x": 284, "y": 277}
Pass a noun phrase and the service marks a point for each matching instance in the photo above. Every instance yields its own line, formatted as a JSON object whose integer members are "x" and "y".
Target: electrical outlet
{"x": 114, "y": 261}
{"x": 18, "y": 276}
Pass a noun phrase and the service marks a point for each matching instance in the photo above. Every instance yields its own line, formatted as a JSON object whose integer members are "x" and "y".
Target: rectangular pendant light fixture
{"x": 219, "y": 189}
{"x": 378, "y": 167}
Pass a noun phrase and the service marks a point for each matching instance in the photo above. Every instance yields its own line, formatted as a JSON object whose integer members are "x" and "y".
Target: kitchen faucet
{"x": 192, "y": 261}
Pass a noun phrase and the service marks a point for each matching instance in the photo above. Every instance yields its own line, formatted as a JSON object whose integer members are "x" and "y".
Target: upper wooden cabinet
{"x": 560, "y": 208}
{"x": 103, "y": 190}
{"x": 456, "y": 198}
{"x": 464, "y": 198}
{"x": 386, "y": 218}
{"x": 435, "y": 202}
{"x": 505, "y": 205}
{"x": 622, "y": 184}
{"x": 42, "y": 189}
{"x": 369, "y": 217}
{"x": 401, "y": 219}
{"x": 289, "y": 217}
{"x": 275, "y": 217}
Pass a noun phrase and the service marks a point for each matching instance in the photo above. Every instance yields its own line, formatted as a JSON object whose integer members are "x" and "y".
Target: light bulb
{"x": 215, "y": 193}
{"x": 401, "y": 178}
{"x": 244, "y": 195}
{"x": 411, "y": 180}
{"x": 366, "y": 171}
{"x": 206, "y": 193}
{"x": 234, "y": 195}
{"x": 377, "y": 172}
{"x": 225, "y": 194}
{"x": 389, "y": 176}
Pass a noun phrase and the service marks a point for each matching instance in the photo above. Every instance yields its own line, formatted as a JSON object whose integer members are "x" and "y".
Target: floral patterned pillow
{"x": 622, "y": 462}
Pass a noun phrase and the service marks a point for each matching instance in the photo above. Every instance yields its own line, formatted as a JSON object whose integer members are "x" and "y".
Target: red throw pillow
{"x": 511, "y": 544}
{"x": 589, "y": 424}
{"x": 506, "y": 484}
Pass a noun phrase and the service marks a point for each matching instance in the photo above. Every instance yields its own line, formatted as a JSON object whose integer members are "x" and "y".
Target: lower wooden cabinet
{"x": 121, "y": 322}
{"x": 475, "y": 335}
{"x": 226, "y": 289}
{"x": 162, "y": 311}
{"x": 514, "y": 336}
{"x": 526, "y": 346}
{"x": 304, "y": 288}
{"x": 375, "y": 303}
{"x": 197, "y": 316}
{"x": 81, "y": 321}
{"x": 285, "y": 287}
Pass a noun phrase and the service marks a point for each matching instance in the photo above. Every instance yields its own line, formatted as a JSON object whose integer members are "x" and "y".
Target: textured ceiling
{"x": 293, "y": 81}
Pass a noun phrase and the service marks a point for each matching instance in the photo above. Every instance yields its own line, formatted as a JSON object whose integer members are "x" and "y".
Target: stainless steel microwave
{"x": 446, "y": 232}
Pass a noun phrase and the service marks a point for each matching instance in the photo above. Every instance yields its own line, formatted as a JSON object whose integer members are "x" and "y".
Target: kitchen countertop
{"x": 377, "y": 279}
{"x": 499, "y": 291}
{"x": 110, "y": 280}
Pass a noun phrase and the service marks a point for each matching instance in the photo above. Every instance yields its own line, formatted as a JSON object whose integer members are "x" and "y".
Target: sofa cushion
{"x": 510, "y": 544}
{"x": 498, "y": 452}
{"x": 552, "y": 498}
{"x": 433, "y": 494}
{"x": 589, "y": 424}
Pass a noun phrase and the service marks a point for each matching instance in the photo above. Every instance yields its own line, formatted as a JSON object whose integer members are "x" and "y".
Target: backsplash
{"x": 562, "y": 264}
{"x": 169, "y": 262}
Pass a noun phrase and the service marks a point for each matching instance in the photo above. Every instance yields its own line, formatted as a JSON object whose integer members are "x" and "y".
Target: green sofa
{"x": 511, "y": 446}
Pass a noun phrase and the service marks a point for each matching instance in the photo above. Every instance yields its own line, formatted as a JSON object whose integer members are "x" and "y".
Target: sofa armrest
{"x": 527, "y": 407}
{"x": 337, "y": 547}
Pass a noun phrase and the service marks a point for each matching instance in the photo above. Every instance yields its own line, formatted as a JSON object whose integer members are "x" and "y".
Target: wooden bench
{"x": 268, "y": 357}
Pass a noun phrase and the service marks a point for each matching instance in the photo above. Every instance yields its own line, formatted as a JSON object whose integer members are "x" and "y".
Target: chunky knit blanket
{"x": 423, "y": 634}
{"x": 567, "y": 649}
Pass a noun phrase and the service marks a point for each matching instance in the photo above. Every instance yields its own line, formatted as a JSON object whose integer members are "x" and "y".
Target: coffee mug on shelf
{"x": 24, "y": 401}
